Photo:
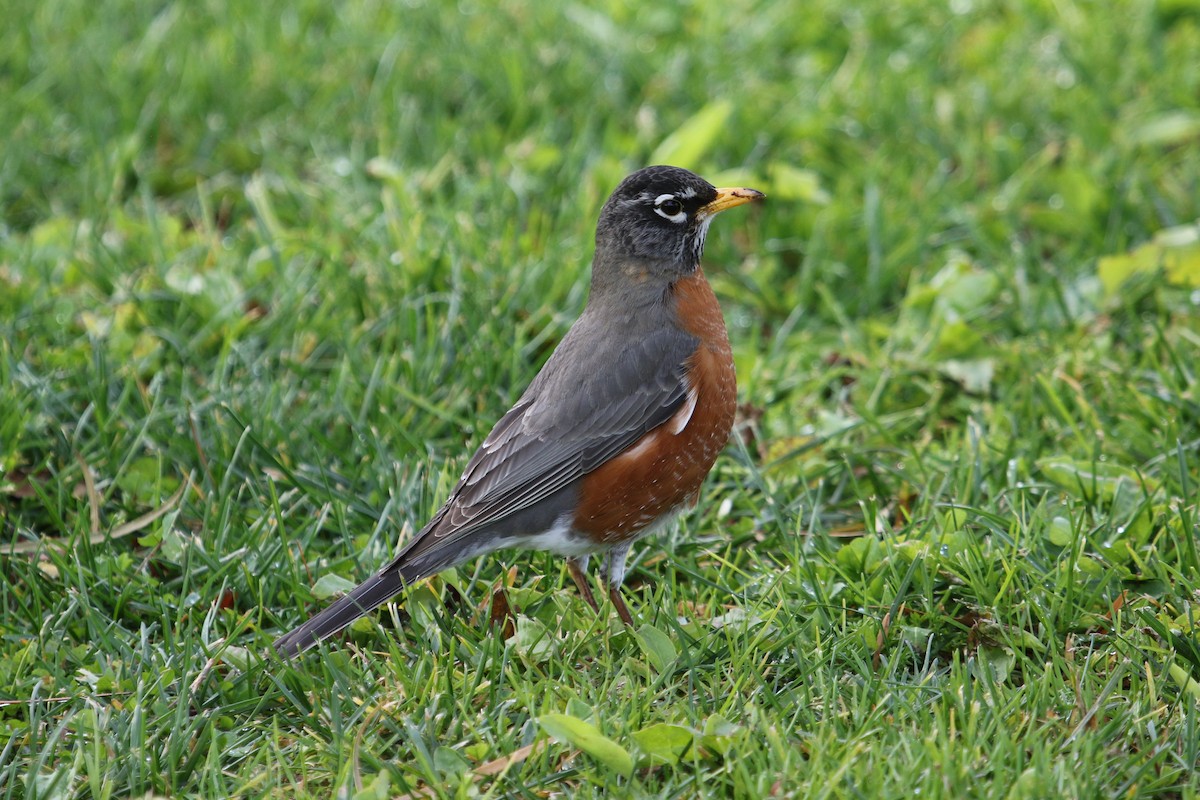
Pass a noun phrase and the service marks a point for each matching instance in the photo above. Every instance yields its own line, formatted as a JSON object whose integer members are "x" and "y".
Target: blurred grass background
{"x": 294, "y": 259}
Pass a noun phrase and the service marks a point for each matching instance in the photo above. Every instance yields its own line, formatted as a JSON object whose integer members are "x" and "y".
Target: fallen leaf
{"x": 503, "y": 763}
{"x": 501, "y": 614}
{"x": 588, "y": 738}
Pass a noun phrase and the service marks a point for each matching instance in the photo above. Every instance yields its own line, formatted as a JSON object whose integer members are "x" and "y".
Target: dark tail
{"x": 362, "y": 600}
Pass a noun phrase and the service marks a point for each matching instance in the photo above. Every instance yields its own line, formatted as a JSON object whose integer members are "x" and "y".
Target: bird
{"x": 616, "y": 432}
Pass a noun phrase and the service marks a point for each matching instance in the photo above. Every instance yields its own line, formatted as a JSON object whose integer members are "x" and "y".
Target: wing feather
{"x": 568, "y": 423}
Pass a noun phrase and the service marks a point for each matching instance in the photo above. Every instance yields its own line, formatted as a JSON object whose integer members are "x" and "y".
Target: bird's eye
{"x": 669, "y": 207}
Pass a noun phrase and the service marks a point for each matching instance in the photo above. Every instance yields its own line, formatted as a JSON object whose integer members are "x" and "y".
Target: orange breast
{"x": 666, "y": 467}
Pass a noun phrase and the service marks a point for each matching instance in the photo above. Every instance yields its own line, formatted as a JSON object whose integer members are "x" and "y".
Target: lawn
{"x": 270, "y": 271}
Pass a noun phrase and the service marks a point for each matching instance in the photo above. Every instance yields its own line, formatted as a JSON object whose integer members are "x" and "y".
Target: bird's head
{"x": 656, "y": 221}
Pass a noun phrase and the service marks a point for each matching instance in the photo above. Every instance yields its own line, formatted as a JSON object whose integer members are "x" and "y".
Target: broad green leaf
{"x": 589, "y": 739}
{"x": 1185, "y": 681}
{"x": 532, "y": 640}
{"x": 998, "y": 661}
{"x": 1176, "y": 251}
{"x": 597, "y": 24}
{"x": 154, "y": 537}
{"x": 174, "y": 545}
{"x": 916, "y": 637}
{"x": 692, "y": 140}
{"x": 50, "y": 785}
{"x": 861, "y": 556}
{"x": 143, "y": 478}
{"x": 795, "y": 183}
{"x": 449, "y": 761}
{"x": 1183, "y": 641}
{"x": 1027, "y": 785}
{"x": 974, "y": 375}
{"x": 739, "y": 176}
{"x": 376, "y": 789}
{"x": 909, "y": 550}
{"x": 956, "y": 338}
{"x": 717, "y": 725}
{"x": 1114, "y": 270}
{"x": 423, "y": 606}
{"x": 214, "y": 293}
{"x": 782, "y": 182}
{"x": 718, "y": 734}
{"x": 953, "y": 543}
{"x": 1060, "y": 532}
{"x": 56, "y": 234}
{"x": 735, "y": 618}
{"x": 1173, "y": 127}
{"x": 238, "y": 657}
{"x": 867, "y": 630}
{"x": 1182, "y": 260}
{"x": 954, "y": 519}
{"x": 1093, "y": 480}
{"x": 385, "y": 169}
{"x": 962, "y": 288}
{"x": 657, "y": 646}
{"x": 331, "y": 585}
{"x": 1086, "y": 565}
{"x": 1010, "y": 636}
{"x": 664, "y": 742}
{"x": 579, "y": 709}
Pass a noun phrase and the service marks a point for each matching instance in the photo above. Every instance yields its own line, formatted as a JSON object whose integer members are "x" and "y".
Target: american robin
{"x": 618, "y": 430}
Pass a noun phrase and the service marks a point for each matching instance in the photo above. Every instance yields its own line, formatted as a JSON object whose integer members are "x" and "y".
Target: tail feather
{"x": 362, "y": 600}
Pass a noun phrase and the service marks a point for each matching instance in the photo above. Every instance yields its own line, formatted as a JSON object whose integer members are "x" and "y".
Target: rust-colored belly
{"x": 666, "y": 467}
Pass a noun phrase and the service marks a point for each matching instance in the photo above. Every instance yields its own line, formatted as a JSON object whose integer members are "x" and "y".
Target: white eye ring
{"x": 677, "y": 216}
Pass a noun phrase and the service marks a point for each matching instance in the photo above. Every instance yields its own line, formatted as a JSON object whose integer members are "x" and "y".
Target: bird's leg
{"x": 614, "y": 594}
{"x": 578, "y": 569}
{"x": 613, "y": 575}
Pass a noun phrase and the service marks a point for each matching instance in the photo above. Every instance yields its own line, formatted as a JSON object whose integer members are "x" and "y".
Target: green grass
{"x": 294, "y": 259}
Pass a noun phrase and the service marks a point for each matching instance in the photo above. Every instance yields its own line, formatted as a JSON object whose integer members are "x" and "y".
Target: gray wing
{"x": 581, "y": 410}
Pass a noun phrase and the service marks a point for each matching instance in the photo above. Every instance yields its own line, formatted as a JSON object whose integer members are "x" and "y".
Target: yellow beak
{"x": 730, "y": 197}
